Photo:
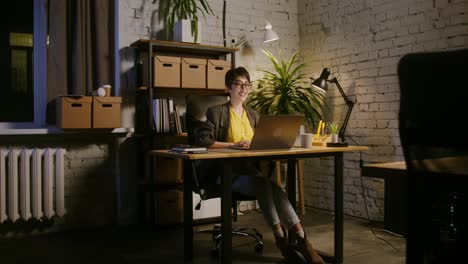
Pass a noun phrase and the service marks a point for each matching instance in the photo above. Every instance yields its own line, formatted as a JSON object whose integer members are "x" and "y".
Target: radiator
{"x": 31, "y": 183}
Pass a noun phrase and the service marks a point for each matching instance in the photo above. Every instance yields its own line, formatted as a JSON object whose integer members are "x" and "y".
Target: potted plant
{"x": 333, "y": 131}
{"x": 285, "y": 91}
{"x": 180, "y": 13}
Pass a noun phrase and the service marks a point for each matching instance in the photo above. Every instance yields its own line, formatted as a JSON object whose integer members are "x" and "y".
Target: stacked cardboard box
{"x": 176, "y": 72}
{"x": 76, "y": 112}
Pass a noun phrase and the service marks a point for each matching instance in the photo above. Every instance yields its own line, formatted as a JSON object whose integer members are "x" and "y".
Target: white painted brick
{"x": 413, "y": 29}
{"x": 382, "y": 124}
{"x": 413, "y": 19}
{"x": 404, "y": 40}
{"x": 459, "y": 41}
{"x": 384, "y": 44}
{"x": 458, "y": 19}
{"x": 366, "y": 65}
{"x": 383, "y": 53}
{"x": 384, "y": 150}
{"x": 386, "y": 97}
{"x": 366, "y": 98}
{"x": 387, "y": 70}
{"x": 402, "y": 31}
{"x": 374, "y": 107}
{"x": 387, "y": 88}
{"x": 364, "y": 116}
{"x": 453, "y": 31}
{"x": 455, "y": 9}
{"x": 380, "y": 17}
{"x": 368, "y": 73}
{"x": 389, "y": 24}
{"x": 399, "y": 51}
{"x": 371, "y": 124}
{"x": 386, "y": 80}
{"x": 386, "y": 115}
{"x": 387, "y": 61}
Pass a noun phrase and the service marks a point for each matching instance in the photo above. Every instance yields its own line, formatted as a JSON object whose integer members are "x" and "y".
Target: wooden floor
{"x": 165, "y": 245}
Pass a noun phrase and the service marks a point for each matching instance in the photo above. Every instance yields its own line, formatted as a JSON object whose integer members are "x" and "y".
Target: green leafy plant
{"x": 333, "y": 128}
{"x": 172, "y": 10}
{"x": 285, "y": 91}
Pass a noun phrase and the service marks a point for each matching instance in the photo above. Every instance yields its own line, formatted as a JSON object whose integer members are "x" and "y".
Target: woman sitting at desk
{"x": 232, "y": 124}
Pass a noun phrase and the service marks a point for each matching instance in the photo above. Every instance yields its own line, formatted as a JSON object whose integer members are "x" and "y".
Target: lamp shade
{"x": 321, "y": 82}
{"x": 270, "y": 35}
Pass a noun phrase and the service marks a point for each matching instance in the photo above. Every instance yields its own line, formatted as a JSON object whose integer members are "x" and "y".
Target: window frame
{"x": 39, "y": 72}
{"x": 40, "y": 39}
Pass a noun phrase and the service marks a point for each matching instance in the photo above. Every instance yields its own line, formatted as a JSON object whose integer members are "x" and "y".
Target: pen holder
{"x": 321, "y": 140}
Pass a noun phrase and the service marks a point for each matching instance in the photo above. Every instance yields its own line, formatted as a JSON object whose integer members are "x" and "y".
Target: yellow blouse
{"x": 239, "y": 128}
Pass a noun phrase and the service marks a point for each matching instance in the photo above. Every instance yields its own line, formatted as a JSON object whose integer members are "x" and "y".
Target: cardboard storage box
{"x": 73, "y": 111}
{"x": 193, "y": 73}
{"x": 167, "y": 171}
{"x": 169, "y": 207}
{"x": 167, "y": 71}
{"x": 216, "y": 70}
{"x": 106, "y": 111}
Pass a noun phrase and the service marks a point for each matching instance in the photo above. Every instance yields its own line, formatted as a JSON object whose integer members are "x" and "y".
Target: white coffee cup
{"x": 99, "y": 92}
{"x": 306, "y": 140}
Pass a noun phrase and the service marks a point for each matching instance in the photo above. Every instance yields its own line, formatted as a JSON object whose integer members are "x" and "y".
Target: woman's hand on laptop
{"x": 242, "y": 144}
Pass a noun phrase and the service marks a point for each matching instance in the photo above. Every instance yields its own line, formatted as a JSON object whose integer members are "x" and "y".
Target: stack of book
{"x": 183, "y": 148}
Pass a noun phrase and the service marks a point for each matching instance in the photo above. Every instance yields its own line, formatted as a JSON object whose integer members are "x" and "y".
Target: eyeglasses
{"x": 239, "y": 85}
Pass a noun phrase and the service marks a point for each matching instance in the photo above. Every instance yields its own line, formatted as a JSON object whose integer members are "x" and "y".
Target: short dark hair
{"x": 232, "y": 75}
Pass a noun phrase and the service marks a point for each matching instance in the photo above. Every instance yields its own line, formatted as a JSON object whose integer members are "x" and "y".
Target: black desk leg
{"x": 226, "y": 202}
{"x": 188, "y": 213}
{"x": 338, "y": 208}
{"x": 291, "y": 189}
{"x": 292, "y": 182}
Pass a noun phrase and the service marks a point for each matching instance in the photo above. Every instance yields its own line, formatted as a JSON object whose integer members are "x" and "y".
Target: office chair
{"x": 204, "y": 183}
{"x": 432, "y": 111}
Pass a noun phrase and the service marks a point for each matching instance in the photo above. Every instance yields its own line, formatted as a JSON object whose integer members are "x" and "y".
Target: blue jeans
{"x": 273, "y": 201}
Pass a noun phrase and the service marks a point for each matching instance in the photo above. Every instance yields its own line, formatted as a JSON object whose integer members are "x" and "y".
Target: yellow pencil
{"x": 318, "y": 129}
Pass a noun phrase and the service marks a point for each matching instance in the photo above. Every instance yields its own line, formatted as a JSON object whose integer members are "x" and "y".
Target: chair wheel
{"x": 259, "y": 248}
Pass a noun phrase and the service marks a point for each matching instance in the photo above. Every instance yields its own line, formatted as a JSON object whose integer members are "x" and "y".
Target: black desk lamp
{"x": 321, "y": 83}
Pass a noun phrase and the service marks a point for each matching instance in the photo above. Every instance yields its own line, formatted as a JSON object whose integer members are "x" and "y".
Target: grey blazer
{"x": 215, "y": 128}
{"x": 217, "y": 124}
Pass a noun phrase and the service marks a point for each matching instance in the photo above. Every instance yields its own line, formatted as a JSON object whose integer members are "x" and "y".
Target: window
{"x": 24, "y": 64}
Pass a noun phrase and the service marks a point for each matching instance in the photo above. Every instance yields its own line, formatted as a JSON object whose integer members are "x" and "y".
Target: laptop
{"x": 275, "y": 132}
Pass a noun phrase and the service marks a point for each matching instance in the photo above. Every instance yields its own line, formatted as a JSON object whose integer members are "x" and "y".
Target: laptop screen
{"x": 276, "y": 132}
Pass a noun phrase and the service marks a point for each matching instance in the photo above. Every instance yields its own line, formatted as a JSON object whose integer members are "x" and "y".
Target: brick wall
{"x": 90, "y": 181}
{"x": 361, "y": 41}
{"x": 139, "y": 19}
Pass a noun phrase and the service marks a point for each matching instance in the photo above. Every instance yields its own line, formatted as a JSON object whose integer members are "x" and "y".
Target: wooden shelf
{"x": 183, "y": 47}
{"x": 161, "y": 91}
{"x": 145, "y": 51}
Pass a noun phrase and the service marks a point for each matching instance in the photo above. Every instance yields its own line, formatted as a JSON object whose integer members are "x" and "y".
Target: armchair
{"x": 432, "y": 98}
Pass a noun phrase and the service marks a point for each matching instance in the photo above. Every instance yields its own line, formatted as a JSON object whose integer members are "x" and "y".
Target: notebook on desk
{"x": 275, "y": 132}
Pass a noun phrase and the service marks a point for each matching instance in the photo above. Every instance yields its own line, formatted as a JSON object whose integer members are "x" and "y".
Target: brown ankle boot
{"x": 282, "y": 243}
{"x": 304, "y": 246}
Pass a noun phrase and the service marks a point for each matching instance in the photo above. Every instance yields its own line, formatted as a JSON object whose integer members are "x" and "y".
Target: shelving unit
{"x": 145, "y": 50}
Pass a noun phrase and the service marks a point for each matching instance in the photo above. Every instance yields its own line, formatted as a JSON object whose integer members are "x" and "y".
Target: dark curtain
{"x": 81, "y": 44}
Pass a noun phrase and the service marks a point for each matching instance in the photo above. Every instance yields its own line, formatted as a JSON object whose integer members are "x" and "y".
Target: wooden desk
{"x": 289, "y": 154}
{"x": 396, "y": 192}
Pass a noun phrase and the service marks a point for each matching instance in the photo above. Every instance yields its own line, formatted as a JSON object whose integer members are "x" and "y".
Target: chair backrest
{"x": 196, "y": 110}
{"x": 433, "y": 108}
{"x": 195, "y": 116}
